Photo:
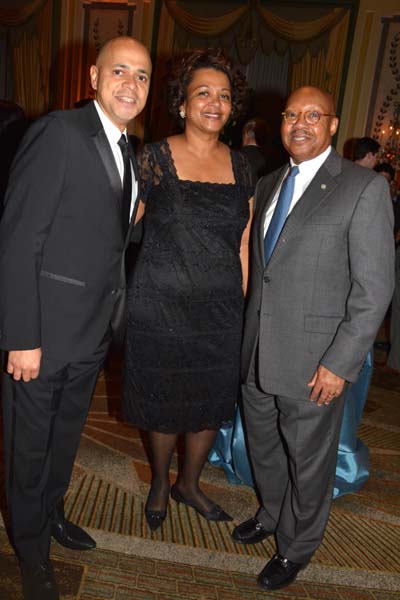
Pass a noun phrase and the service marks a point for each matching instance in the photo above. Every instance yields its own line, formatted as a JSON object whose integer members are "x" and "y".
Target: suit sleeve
{"x": 371, "y": 262}
{"x": 32, "y": 200}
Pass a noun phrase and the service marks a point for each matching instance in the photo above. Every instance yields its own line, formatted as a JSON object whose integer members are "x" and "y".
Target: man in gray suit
{"x": 322, "y": 277}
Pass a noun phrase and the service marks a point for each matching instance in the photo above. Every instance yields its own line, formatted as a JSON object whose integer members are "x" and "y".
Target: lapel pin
{"x": 323, "y": 186}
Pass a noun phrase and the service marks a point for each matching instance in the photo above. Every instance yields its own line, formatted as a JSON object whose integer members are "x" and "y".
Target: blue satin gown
{"x": 352, "y": 467}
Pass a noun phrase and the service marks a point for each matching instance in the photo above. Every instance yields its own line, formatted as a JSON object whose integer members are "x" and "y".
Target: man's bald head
{"x": 310, "y": 91}
{"x": 121, "y": 79}
{"x": 114, "y": 43}
{"x": 301, "y": 139}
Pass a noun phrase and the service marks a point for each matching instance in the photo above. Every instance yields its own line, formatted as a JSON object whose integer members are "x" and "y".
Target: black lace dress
{"x": 185, "y": 300}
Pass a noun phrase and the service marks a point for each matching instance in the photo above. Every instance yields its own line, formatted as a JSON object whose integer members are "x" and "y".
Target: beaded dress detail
{"x": 185, "y": 300}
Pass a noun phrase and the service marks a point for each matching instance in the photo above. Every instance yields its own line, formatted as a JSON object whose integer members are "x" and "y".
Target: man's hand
{"x": 325, "y": 386}
{"x": 24, "y": 364}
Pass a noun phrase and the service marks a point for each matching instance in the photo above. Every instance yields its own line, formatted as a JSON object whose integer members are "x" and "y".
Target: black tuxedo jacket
{"x": 61, "y": 240}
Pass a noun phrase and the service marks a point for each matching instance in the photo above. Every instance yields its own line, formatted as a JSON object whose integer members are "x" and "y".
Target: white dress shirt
{"x": 307, "y": 172}
{"x": 113, "y": 135}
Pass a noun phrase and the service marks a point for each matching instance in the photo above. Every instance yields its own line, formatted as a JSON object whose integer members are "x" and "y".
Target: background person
{"x": 255, "y": 135}
{"x": 393, "y": 360}
{"x": 62, "y": 239}
{"x": 185, "y": 300}
{"x": 388, "y": 172}
{"x": 366, "y": 152}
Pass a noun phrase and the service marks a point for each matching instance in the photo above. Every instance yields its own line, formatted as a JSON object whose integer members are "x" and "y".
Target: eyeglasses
{"x": 312, "y": 117}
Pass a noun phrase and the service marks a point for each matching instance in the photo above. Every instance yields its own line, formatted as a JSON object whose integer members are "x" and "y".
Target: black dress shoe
{"x": 155, "y": 518}
{"x": 70, "y": 535}
{"x": 278, "y": 573}
{"x": 38, "y": 582}
{"x": 215, "y": 514}
{"x": 250, "y": 532}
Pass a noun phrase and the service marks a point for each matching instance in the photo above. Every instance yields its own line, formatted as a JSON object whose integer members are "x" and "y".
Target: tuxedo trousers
{"x": 43, "y": 421}
{"x": 293, "y": 449}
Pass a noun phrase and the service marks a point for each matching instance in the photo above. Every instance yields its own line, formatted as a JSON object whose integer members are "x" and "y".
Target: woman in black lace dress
{"x": 185, "y": 300}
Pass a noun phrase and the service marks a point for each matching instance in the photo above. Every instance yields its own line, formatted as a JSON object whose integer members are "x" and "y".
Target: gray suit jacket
{"x": 325, "y": 291}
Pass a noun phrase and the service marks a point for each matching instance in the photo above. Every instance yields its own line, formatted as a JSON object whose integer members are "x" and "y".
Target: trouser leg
{"x": 29, "y": 409}
{"x": 293, "y": 449}
{"x": 69, "y": 423}
{"x": 43, "y": 422}
{"x": 311, "y": 435}
{"x": 267, "y": 453}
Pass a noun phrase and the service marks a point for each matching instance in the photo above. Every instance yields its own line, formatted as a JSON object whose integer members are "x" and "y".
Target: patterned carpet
{"x": 190, "y": 557}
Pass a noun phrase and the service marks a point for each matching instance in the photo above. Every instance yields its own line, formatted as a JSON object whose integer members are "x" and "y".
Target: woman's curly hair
{"x": 183, "y": 68}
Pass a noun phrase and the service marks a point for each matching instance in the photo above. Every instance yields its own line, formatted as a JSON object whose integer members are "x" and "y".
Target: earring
{"x": 182, "y": 113}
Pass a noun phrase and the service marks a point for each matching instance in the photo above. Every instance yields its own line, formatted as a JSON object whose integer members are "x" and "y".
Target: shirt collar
{"x": 112, "y": 132}
{"x": 310, "y": 167}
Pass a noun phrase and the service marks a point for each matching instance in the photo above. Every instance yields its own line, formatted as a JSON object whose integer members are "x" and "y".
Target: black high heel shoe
{"x": 155, "y": 518}
{"x": 215, "y": 514}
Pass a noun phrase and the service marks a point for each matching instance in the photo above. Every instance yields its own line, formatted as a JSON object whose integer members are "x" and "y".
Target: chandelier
{"x": 389, "y": 138}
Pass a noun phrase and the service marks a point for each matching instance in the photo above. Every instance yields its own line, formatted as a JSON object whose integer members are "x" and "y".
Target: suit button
{"x": 266, "y": 279}
{"x": 113, "y": 292}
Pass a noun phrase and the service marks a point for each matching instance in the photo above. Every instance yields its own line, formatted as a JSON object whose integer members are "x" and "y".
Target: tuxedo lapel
{"x": 133, "y": 161}
{"x": 136, "y": 199}
{"x": 103, "y": 147}
{"x": 103, "y": 150}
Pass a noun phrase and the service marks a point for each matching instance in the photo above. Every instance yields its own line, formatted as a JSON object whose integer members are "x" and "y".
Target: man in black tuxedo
{"x": 63, "y": 235}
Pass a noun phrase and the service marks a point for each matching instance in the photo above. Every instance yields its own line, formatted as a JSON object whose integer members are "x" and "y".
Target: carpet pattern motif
{"x": 102, "y": 574}
{"x": 99, "y": 504}
{"x": 191, "y": 558}
{"x": 112, "y": 500}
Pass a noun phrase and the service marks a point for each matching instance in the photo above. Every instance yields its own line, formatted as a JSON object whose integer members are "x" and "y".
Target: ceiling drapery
{"x": 299, "y": 31}
{"x": 304, "y": 33}
{"x": 204, "y": 26}
{"x": 14, "y": 17}
{"x": 314, "y": 48}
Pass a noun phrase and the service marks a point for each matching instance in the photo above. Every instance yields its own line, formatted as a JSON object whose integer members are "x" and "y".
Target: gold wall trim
{"x": 356, "y": 101}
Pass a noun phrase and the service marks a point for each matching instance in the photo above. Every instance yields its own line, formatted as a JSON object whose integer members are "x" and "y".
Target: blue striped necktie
{"x": 280, "y": 213}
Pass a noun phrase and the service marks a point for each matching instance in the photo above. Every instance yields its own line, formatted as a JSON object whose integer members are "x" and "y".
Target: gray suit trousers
{"x": 293, "y": 447}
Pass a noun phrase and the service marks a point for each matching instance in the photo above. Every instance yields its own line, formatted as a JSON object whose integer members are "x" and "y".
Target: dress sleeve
{"x": 149, "y": 170}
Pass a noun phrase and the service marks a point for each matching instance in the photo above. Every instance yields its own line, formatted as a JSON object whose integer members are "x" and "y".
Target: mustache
{"x": 300, "y": 131}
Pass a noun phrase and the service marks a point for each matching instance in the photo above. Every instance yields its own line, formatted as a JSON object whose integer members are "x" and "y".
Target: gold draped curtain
{"x": 316, "y": 64}
{"x": 204, "y": 26}
{"x": 299, "y": 31}
{"x": 30, "y": 47}
{"x": 325, "y": 69}
{"x": 14, "y": 17}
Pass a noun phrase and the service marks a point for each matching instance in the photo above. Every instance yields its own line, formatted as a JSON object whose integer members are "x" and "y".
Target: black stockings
{"x": 161, "y": 448}
{"x": 197, "y": 447}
